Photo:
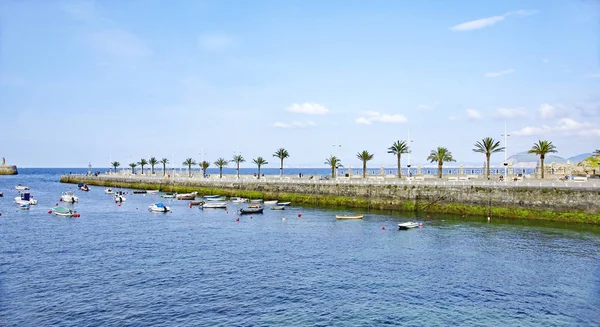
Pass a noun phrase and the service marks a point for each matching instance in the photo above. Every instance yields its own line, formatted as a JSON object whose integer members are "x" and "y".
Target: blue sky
{"x": 94, "y": 81}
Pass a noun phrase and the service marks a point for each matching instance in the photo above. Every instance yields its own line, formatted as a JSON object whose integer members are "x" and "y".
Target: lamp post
{"x": 408, "y": 143}
{"x": 505, "y": 134}
{"x": 336, "y": 146}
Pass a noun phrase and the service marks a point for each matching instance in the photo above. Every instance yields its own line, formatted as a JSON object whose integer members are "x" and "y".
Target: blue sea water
{"x": 124, "y": 266}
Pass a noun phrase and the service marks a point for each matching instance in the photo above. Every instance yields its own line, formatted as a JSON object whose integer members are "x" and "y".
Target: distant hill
{"x": 524, "y": 159}
{"x": 579, "y": 158}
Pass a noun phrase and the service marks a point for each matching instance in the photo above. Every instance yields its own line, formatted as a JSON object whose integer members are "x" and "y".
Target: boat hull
{"x": 349, "y": 216}
{"x": 408, "y": 225}
{"x": 245, "y": 211}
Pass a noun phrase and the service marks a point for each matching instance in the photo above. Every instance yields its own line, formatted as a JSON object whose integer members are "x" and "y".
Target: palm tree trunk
{"x": 238, "y": 170}
{"x": 364, "y": 169}
{"x": 440, "y": 170}
{"x": 258, "y": 171}
{"x": 332, "y": 171}
{"x": 542, "y": 159}
{"x": 399, "y": 168}
{"x": 281, "y": 168}
{"x": 220, "y": 172}
{"x": 487, "y": 157}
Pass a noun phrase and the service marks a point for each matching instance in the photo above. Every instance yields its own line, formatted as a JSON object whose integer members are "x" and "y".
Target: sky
{"x": 99, "y": 81}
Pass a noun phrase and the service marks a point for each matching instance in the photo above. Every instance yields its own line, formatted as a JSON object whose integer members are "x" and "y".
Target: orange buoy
{"x": 119, "y": 204}
{"x": 420, "y": 224}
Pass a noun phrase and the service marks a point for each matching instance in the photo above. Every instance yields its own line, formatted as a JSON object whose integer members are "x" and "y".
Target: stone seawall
{"x": 546, "y": 203}
{"x": 8, "y": 170}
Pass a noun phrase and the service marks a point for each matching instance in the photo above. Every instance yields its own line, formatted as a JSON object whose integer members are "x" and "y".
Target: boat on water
{"x": 21, "y": 187}
{"x": 1, "y": 194}
{"x": 350, "y": 216}
{"x": 168, "y": 196}
{"x": 186, "y": 196}
{"x": 24, "y": 206}
{"x": 407, "y": 225}
{"x": 152, "y": 191}
{"x": 284, "y": 203}
{"x": 211, "y": 196}
{"x": 238, "y": 200}
{"x": 25, "y": 198}
{"x": 120, "y": 196}
{"x": 214, "y": 205}
{"x": 196, "y": 203}
{"x": 139, "y": 192}
{"x": 256, "y": 201}
{"x": 83, "y": 187}
{"x": 278, "y": 207}
{"x": 63, "y": 212}
{"x": 220, "y": 199}
{"x": 159, "y": 207}
{"x": 109, "y": 190}
{"x": 69, "y": 197}
{"x": 271, "y": 202}
{"x": 251, "y": 209}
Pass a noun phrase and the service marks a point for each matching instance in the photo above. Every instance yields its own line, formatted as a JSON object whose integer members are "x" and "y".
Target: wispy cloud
{"x": 295, "y": 124}
{"x": 215, "y": 41}
{"x": 489, "y": 21}
{"x": 377, "y": 117}
{"x": 497, "y": 74}
{"x": 119, "y": 43}
{"x": 307, "y": 108}
{"x": 563, "y": 127}
{"x": 510, "y": 113}
{"x": 546, "y": 111}
{"x": 474, "y": 114}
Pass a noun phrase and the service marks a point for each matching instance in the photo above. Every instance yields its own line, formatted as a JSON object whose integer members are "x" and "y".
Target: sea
{"x": 118, "y": 264}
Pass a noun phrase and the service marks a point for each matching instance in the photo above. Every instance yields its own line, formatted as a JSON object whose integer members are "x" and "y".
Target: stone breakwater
{"x": 572, "y": 204}
{"x": 8, "y": 170}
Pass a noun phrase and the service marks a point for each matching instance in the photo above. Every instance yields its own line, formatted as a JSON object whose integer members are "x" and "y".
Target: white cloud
{"x": 510, "y": 113}
{"x": 307, "y": 108}
{"x": 489, "y": 21}
{"x": 119, "y": 43}
{"x": 504, "y": 72}
{"x": 547, "y": 111}
{"x": 474, "y": 114}
{"x": 300, "y": 124}
{"x": 377, "y": 117}
{"x": 282, "y": 125}
{"x": 563, "y": 127}
{"x": 215, "y": 41}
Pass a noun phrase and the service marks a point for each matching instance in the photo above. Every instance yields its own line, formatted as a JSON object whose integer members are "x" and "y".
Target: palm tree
{"x": 115, "y": 164}
{"x": 142, "y": 162}
{"x": 364, "y": 157}
{"x": 440, "y": 156}
{"x": 164, "y": 162}
{"x": 597, "y": 153}
{"x": 398, "y": 148}
{"x": 488, "y": 146}
{"x": 259, "y": 162}
{"x": 541, "y": 149}
{"x": 334, "y": 163}
{"x": 152, "y": 162}
{"x": 281, "y": 154}
{"x": 237, "y": 159}
{"x": 189, "y": 162}
{"x": 132, "y": 165}
{"x": 221, "y": 162}
{"x": 204, "y": 166}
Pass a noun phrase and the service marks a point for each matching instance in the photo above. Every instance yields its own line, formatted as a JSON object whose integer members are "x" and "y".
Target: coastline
{"x": 573, "y": 202}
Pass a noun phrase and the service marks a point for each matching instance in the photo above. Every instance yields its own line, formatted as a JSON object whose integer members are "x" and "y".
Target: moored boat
{"x": 407, "y": 225}
{"x": 251, "y": 209}
{"x": 278, "y": 207}
{"x": 271, "y": 202}
{"x": 196, "y": 203}
{"x": 186, "y": 196}
{"x": 21, "y": 187}
{"x": 25, "y": 198}
{"x": 168, "y": 195}
{"x": 69, "y": 197}
{"x": 220, "y": 199}
{"x": 214, "y": 205}
{"x": 351, "y": 216}
{"x": 238, "y": 200}
{"x": 284, "y": 203}
{"x": 256, "y": 201}
{"x": 63, "y": 212}
{"x": 120, "y": 196}
{"x": 159, "y": 207}
{"x": 139, "y": 192}
{"x": 109, "y": 190}
{"x": 24, "y": 206}
{"x": 83, "y": 187}
{"x": 211, "y": 196}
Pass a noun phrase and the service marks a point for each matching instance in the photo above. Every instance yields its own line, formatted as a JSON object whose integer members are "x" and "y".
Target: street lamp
{"x": 408, "y": 143}
{"x": 505, "y": 134}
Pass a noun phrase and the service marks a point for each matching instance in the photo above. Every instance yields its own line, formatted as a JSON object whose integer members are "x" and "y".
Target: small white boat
{"x": 120, "y": 196}
{"x": 186, "y": 196}
{"x": 21, "y": 187}
{"x": 152, "y": 191}
{"x": 256, "y": 201}
{"x": 214, "y": 205}
{"x": 109, "y": 190}
{"x": 407, "y": 225}
{"x": 353, "y": 216}
{"x": 159, "y": 207}
{"x": 69, "y": 197}
{"x": 219, "y": 199}
{"x": 277, "y": 207}
{"x": 284, "y": 203}
{"x": 271, "y": 202}
{"x": 238, "y": 200}
{"x": 251, "y": 209}
{"x": 25, "y": 198}
{"x": 168, "y": 196}
{"x": 24, "y": 206}
{"x": 63, "y": 212}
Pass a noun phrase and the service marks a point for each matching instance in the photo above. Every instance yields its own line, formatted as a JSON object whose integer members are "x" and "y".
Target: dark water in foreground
{"x": 126, "y": 266}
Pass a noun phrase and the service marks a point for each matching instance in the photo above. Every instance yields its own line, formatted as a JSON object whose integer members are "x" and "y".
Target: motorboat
{"x": 211, "y": 196}
{"x": 159, "y": 207}
{"x": 196, "y": 203}
{"x": 139, "y": 192}
{"x": 168, "y": 196}
{"x": 83, "y": 187}
{"x": 21, "y": 188}
{"x": 109, "y": 190}
{"x": 69, "y": 197}
{"x": 271, "y": 202}
{"x": 220, "y": 199}
{"x": 407, "y": 225}
{"x": 251, "y": 209}
{"x": 256, "y": 201}
{"x": 186, "y": 196}
{"x": 238, "y": 200}
{"x": 277, "y": 207}
{"x": 214, "y": 205}
{"x": 1, "y": 194}
{"x": 25, "y": 198}
{"x": 120, "y": 196}
{"x": 152, "y": 191}
{"x": 284, "y": 203}
{"x": 350, "y": 216}
{"x": 24, "y": 206}
{"x": 63, "y": 212}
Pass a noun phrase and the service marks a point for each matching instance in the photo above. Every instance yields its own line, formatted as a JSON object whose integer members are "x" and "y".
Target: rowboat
{"x": 284, "y": 203}
{"x": 256, "y": 201}
{"x": 271, "y": 202}
{"x": 251, "y": 209}
{"x": 168, "y": 196}
{"x": 139, "y": 192}
{"x": 186, "y": 196}
{"x": 69, "y": 197}
{"x": 407, "y": 225}
{"x": 352, "y": 216}
{"x": 278, "y": 207}
{"x": 220, "y": 199}
{"x": 159, "y": 207}
{"x": 214, "y": 205}
{"x": 211, "y": 196}
{"x": 238, "y": 200}
{"x": 63, "y": 212}
{"x": 151, "y": 191}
